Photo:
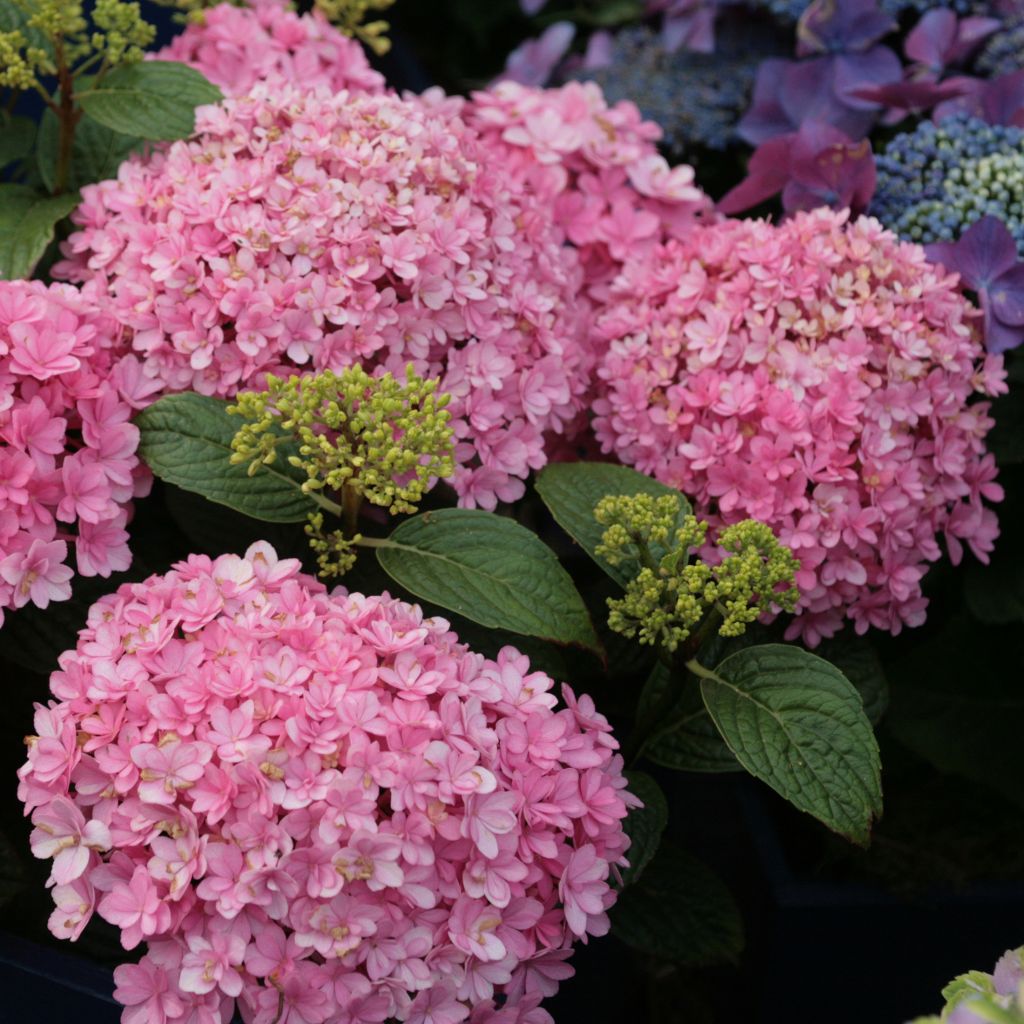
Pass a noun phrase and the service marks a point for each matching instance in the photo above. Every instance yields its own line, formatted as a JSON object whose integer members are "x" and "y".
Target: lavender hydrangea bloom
{"x": 841, "y": 55}
{"x": 985, "y": 257}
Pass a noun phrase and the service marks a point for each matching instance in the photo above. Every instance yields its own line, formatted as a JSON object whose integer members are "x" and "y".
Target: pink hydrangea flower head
{"x": 68, "y": 467}
{"x": 302, "y": 230}
{"x": 292, "y": 819}
{"x": 598, "y": 166}
{"x": 236, "y": 47}
{"x": 820, "y": 376}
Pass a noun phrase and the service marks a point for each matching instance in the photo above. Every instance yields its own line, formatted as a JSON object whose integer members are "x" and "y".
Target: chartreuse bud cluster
{"x": 350, "y": 17}
{"x": 117, "y": 35}
{"x": 365, "y": 438}
{"x": 668, "y": 598}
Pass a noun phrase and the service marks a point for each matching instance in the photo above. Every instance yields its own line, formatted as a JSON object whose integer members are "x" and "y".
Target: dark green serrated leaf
{"x": 491, "y": 570}
{"x": 680, "y": 911}
{"x": 644, "y": 825}
{"x": 857, "y": 659}
{"x": 154, "y": 99}
{"x": 96, "y": 153}
{"x": 572, "y": 489}
{"x": 797, "y": 723}
{"x": 27, "y": 223}
{"x": 17, "y": 137}
{"x": 687, "y": 739}
{"x": 186, "y": 440}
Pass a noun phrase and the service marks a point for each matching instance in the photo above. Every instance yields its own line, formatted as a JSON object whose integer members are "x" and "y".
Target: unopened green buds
{"x": 365, "y": 438}
{"x": 671, "y": 595}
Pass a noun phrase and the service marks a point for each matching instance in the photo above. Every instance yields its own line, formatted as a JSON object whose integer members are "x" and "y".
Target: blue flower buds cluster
{"x": 697, "y": 98}
{"x": 937, "y": 180}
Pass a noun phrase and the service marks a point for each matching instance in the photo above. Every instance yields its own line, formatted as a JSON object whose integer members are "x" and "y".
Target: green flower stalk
{"x": 360, "y": 437}
{"x": 671, "y": 596}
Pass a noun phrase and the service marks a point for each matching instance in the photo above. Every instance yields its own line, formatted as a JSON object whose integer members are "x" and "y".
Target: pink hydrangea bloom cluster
{"x": 68, "y": 467}
{"x": 302, "y": 230}
{"x": 236, "y": 47}
{"x": 320, "y": 805}
{"x": 817, "y": 376}
{"x": 612, "y": 193}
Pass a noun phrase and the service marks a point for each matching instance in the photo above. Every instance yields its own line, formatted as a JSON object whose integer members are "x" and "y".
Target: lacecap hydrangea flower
{"x": 937, "y": 180}
{"x": 817, "y": 376}
{"x": 696, "y": 98}
{"x": 320, "y": 806}
{"x": 597, "y": 166}
{"x": 302, "y": 230}
{"x": 68, "y": 468}
{"x": 236, "y": 47}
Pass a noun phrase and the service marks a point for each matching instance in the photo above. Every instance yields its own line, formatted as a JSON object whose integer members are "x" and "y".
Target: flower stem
{"x": 351, "y": 501}
{"x": 68, "y": 119}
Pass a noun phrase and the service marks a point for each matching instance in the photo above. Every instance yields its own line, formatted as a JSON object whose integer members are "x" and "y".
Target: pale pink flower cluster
{"x": 68, "y": 467}
{"x": 598, "y": 166}
{"x": 236, "y": 47}
{"x": 320, "y": 805}
{"x": 302, "y": 230}
{"x": 817, "y": 376}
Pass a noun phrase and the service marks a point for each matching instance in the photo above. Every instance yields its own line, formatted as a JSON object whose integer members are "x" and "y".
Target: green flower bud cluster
{"x": 364, "y": 437}
{"x": 20, "y": 64}
{"x": 121, "y": 35}
{"x": 350, "y": 17}
{"x": 118, "y": 35}
{"x": 756, "y": 576}
{"x": 335, "y": 553}
{"x": 669, "y": 598}
{"x": 635, "y": 522}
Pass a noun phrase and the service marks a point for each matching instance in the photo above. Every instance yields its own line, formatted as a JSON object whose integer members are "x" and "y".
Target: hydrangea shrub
{"x": 818, "y": 376}
{"x": 318, "y": 804}
{"x": 312, "y": 231}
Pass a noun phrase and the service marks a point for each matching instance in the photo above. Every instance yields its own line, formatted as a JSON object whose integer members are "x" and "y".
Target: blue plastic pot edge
{"x": 64, "y": 970}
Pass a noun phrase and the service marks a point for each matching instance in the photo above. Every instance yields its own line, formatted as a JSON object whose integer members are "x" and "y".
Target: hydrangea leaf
{"x": 572, "y": 489}
{"x": 17, "y": 136}
{"x": 680, "y": 911}
{"x": 687, "y": 739}
{"x": 857, "y": 659}
{"x": 96, "y": 154}
{"x": 797, "y": 723}
{"x": 644, "y": 825}
{"x": 186, "y": 440}
{"x": 154, "y": 99}
{"x": 489, "y": 569}
{"x": 27, "y": 223}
